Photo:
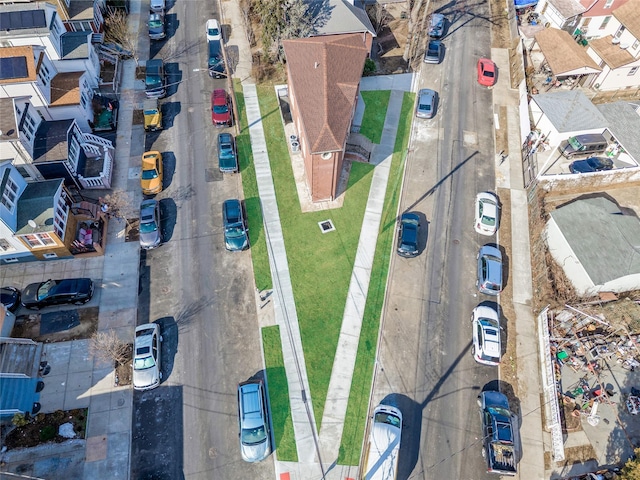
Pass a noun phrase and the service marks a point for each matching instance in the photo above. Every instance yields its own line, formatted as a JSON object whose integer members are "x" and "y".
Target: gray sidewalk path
{"x": 284, "y": 304}
{"x": 335, "y": 408}
{"x": 509, "y": 176}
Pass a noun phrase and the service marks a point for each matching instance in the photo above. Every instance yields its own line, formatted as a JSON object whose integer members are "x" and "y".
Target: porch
{"x": 96, "y": 170}
{"x": 89, "y": 227}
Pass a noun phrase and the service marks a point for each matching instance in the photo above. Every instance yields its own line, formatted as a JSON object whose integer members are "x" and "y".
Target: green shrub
{"x": 369, "y": 67}
{"x": 19, "y": 420}
{"x": 47, "y": 433}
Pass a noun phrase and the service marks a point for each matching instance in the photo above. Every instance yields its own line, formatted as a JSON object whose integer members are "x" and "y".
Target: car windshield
{"x": 155, "y": 23}
{"x": 573, "y": 141}
{"x": 150, "y": 112}
{"x": 214, "y": 32}
{"x": 387, "y": 418}
{"x": 149, "y": 174}
{"x": 44, "y": 289}
{"x": 488, "y": 73}
{"x": 153, "y": 81}
{"x": 486, "y": 219}
{"x": 254, "y": 436}
{"x": 220, "y": 109}
{"x": 142, "y": 363}
{"x": 148, "y": 227}
{"x": 225, "y": 149}
{"x": 234, "y": 231}
{"x": 425, "y": 106}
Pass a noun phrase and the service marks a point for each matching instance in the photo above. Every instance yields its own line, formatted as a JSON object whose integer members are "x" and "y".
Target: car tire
{"x": 473, "y": 350}
{"x": 79, "y": 302}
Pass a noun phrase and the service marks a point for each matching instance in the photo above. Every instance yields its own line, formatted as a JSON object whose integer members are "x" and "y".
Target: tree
{"x": 379, "y": 16}
{"x": 414, "y": 21}
{"x": 117, "y": 31}
{"x": 631, "y": 470}
{"x": 282, "y": 20}
{"x": 108, "y": 347}
{"x": 119, "y": 204}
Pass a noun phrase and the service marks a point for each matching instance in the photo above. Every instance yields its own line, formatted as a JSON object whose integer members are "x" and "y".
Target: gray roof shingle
{"x": 624, "y": 123}
{"x": 570, "y": 111}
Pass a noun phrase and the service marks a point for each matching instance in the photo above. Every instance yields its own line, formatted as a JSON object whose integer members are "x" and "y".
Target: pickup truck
{"x": 434, "y": 52}
{"x": 499, "y": 449}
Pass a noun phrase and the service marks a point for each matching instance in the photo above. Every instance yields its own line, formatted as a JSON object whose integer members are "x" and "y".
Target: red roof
{"x": 595, "y": 8}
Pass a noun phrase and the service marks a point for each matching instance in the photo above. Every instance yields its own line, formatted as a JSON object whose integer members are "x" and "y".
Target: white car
{"x": 214, "y": 32}
{"x": 487, "y": 347}
{"x": 146, "y": 357}
{"x": 487, "y": 210}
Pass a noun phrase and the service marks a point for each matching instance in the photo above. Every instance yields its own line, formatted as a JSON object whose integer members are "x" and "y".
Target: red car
{"x": 486, "y": 72}
{"x": 220, "y": 108}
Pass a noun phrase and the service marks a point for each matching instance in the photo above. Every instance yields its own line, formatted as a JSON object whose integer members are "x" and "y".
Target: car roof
{"x": 147, "y": 208}
{"x": 153, "y": 66}
{"x": 219, "y": 93}
{"x": 411, "y": 217}
{"x": 232, "y": 209}
{"x": 224, "y": 138}
{"x": 490, "y": 250}
{"x": 426, "y": 92}
{"x": 250, "y": 404}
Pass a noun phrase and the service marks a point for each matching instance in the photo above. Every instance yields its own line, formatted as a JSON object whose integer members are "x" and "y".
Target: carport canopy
{"x": 563, "y": 54}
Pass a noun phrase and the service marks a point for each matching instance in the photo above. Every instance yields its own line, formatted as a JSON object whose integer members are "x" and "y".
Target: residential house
{"x": 596, "y": 21}
{"x": 52, "y": 70}
{"x": 338, "y": 17}
{"x": 561, "y": 14}
{"x": 567, "y": 113}
{"x": 38, "y": 220}
{"x": 54, "y": 149}
{"x": 83, "y": 15}
{"x": 595, "y": 242}
{"x": 324, "y": 74}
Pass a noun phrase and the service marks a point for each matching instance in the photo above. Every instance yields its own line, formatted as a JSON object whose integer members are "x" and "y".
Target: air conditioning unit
{"x": 615, "y": 41}
{"x": 625, "y": 45}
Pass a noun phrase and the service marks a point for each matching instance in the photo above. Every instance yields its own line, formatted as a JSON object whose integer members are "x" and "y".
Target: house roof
{"x": 624, "y": 123}
{"x": 324, "y": 73}
{"x": 333, "y": 17}
{"x": 17, "y": 65}
{"x": 75, "y": 45}
{"x": 65, "y": 89}
{"x": 51, "y": 143}
{"x": 36, "y": 203}
{"x": 568, "y": 8}
{"x": 604, "y": 240}
{"x": 629, "y": 16}
{"x": 570, "y": 111}
{"x": 612, "y": 54}
{"x": 563, "y": 54}
{"x": 23, "y": 19}
{"x": 81, "y": 10}
{"x": 595, "y": 8}
{"x": 8, "y": 123}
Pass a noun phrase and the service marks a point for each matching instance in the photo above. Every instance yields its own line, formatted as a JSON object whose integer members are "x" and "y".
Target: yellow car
{"x": 151, "y": 178}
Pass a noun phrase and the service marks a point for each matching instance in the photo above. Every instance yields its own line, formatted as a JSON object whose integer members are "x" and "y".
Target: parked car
{"x": 227, "y": 157}
{"x": 157, "y": 6}
{"x": 151, "y": 177}
{"x": 253, "y": 422}
{"x": 583, "y": 145}
{"x": 213, "y": 30}
{"x": 426, "y": 103}
{"x": 487, "y": 211}
{"x": 10, "y": 298}
{"x": 215, "y": 63}
{"x": 236, "y": 237}
{"x": 591, "y": 164}
{"x": 487, "y": 346}
{"x": 152, "y": 115}
{"x": 433, "y": 54}
{"x": 486, "y": 72}
{"x": 56, "y": 292}
{"x": 499, "y": 449}
{"x": 220, "y": 108}
{"x": 150, "y": 232}
{"x": 146, "y": 357}
{"x": 489, "y": 270}
{"x": 436, "y": 25}
{"x": 408, "y": 235}
{"x": 156, "y": 26}
{"x": 154, "y": 80}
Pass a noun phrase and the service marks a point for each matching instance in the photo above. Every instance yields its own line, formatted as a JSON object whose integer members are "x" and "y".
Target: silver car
{"x": 489, "y": 270}
{"x": 426, "y": 103}
{"x": 146, "y": 357}
{"x": 150, "y": 234}
{"x": 253, "y": 421}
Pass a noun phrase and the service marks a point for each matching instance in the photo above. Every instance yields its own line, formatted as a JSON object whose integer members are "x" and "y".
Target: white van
{"x": 383, "y": 446}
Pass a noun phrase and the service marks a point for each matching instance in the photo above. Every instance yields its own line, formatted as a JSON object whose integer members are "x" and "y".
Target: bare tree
{"x": 282, "y": 20}
{"x": 117, "y": 31}
{"x": 414, "y": 21}
{"x": 245, "y": 10}
{"x": 108, "y": 347}
{"x": 379, "y": 16}
{"x": 120, "y": 205}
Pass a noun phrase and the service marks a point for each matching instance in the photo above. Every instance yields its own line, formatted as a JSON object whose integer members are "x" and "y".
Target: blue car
{"x": 591, "y": 164}
{"x": 408, "y": 235}
{"x": 227, "y": 158}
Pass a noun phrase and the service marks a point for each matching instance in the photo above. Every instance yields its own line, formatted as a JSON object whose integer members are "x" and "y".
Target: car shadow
{"x": 169, "y": 332}
{"x": 411, "y": 431}
{"x": 168, "y": 218}
{"x": 170, "y": 111}
{"x": 174, "y": 77}
{"x": 169, "y": 169}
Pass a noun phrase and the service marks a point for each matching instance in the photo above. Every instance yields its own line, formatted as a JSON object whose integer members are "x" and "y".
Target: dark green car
{"x": 236, "y": 237}
{"x": 227, "y": 158}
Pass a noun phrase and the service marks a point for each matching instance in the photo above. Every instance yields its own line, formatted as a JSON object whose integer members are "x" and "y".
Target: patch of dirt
{"x": 502, "y": 142}
{"x": 141, "y": 73}
{"x": 138, "y": 117}
{"x": 500, "y": 34}
{"x": 28, "y": 326}
{"x": 580, "y": 454}
{"x": 43, "y": 428}
{"x": 132, "y": 230}
{"x": 124, "y": 371}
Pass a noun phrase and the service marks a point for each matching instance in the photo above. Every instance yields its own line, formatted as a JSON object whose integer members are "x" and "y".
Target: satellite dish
{"x": 32, "y": 223}
{"x": 615, "y": 41}
{"x": 625, "y": 45}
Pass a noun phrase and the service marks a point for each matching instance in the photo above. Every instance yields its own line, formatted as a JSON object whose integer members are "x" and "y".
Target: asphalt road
{"x": 202, "y": 295}
{"x": 425, "y": 360}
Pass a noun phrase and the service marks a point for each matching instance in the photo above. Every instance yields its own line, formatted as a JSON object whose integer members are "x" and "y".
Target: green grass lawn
{"x": 374, "y": 114}
{"x": 278, "y": 395}
{"x": 259, "y": 256}
{"x": 320, "y": 265}
{"x": 357, "y": 408}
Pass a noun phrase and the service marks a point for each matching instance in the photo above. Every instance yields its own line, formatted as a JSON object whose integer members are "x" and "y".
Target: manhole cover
{"x": 326, "y": 226}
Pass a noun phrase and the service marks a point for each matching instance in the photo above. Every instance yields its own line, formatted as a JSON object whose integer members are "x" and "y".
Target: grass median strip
{"x": 357, "y": 409}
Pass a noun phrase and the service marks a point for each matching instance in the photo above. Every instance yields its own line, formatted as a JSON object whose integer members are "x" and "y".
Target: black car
{"x": 10, "y": 298}
{"x": 52, "y": 292}
{"x": 408, "y": 235}
{"x": 591, "y": 164}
